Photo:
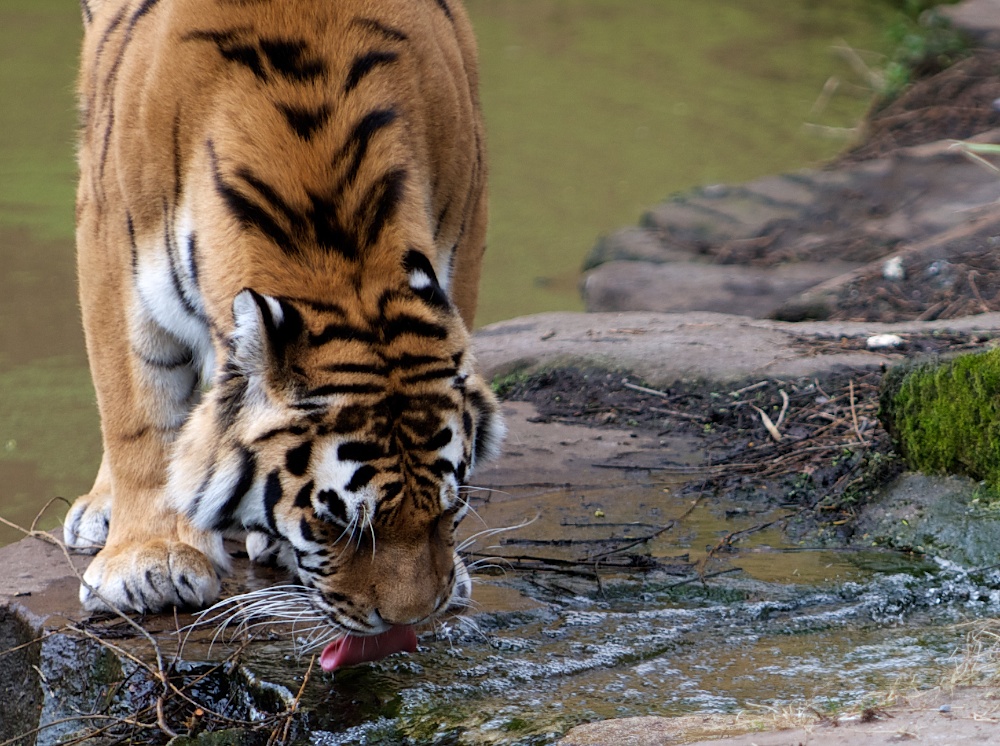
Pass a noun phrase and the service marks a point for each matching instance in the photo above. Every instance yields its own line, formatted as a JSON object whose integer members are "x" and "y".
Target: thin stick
{"x": 771, "y": 429}
{"x": 784, "y": 408}
{"x": 644, "y": 390}
{"x": 751, "y": 387}
{"x": 854, "y": 414}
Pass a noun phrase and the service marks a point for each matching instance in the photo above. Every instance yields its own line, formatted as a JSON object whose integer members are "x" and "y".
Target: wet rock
{"x": 944, "y": 516}
{"x": 753, "y": 249}
{"x": 637, "y": 244}
{"x": 665, "y": 348}
{"x": 641, "y": 731}
{"x": 677, "y": 288}
{"x": 977, "y": 18}
{"x": 20, "y": 689}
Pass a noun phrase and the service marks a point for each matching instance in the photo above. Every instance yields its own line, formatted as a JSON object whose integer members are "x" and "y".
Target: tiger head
{"x": 344, "y": 434}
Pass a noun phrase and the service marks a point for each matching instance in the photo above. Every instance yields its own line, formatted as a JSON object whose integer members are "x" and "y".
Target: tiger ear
{"x": 265, "y": 328}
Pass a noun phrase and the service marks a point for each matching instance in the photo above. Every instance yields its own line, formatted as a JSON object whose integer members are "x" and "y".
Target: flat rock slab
{"x": 665, "y": 348}
{"x": 962, "y": 716}
{"x": 677, "y": 288}
{"x": 977, "y": 18}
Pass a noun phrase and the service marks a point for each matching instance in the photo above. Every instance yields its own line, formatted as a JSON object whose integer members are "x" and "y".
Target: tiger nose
{"x": 407, "y": 610}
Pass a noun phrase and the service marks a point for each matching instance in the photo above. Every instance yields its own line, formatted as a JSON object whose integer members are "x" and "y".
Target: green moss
{"x": 944, "y": 417}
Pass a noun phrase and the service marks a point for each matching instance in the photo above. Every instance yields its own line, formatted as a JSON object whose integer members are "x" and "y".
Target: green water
{"x": 596, "y": 109}
{"x": 599, "y": 109}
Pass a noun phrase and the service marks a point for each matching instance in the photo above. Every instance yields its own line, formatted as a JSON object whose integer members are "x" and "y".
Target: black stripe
{"x": 292, "y": 430}
{"x": 305, "y": 122}
{"x": 144, "y": 8}
{"x": 363, "y": 368}
{"x": 441, "y": 217}
{"x": 441, "y": 467}
{"x": 176, "y": 133}
{"x": 297, "y": 459}
{"x": 334, "y": 503}
{"x": 130, "y": 227}
{"x": 193, "y": 261}
{"x": 362, "y": 478}
{"x": 407, "y": 360}
{"x": 330, "y": 233}
{"x": 440, "y": 440}
{"x": 304, "y": 495}
{"x": 342, "y": 333}
{"x": 248, "y": 467}
{"x": 390, "y": 490}
{"x": 359, "y": 139}
{"x": 249, "y": 214}
{"x": 272, "y": 496}
{"x": 170, "y": 364}
{"x": 322, "y": 306}
{"x": 274, "y": 200}
{"x": 106, "y": 142}
{"x": 173, "y": 260}
{"x": 444, "y": 7}
{"x": 246, "y": 55}
{"x": 232, "y": 50}
{"x": 407, "y": 324}
{"x": 360, "y": 451}
{"x": 333, "y": 389}
{"x": 365, "y": 64}
{"x": 88, "y": 16}
{"x": 381, "y": 201}
{"x": 350, "y": 419}
{"x": 380, "y": 28}
{"x": 434, "y": 374}
{"x": 304, "y": 528}
{"x": 289, "y": 60}
{"x": 431, "y": 294}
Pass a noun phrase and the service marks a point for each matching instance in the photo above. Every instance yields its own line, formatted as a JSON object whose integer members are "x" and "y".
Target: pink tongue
{"x": 351, "y": 650}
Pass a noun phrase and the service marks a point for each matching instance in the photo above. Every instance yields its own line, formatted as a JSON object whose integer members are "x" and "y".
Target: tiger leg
{"x": 152, "y": 558}
{"x": 469, "y": 255}
{"x": 85, "y": 529}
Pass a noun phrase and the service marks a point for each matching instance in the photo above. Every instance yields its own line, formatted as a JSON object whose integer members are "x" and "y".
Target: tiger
{"x": 281, "y": 219}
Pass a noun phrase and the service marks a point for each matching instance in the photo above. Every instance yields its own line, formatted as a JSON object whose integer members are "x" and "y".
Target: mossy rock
{"x": 944, "y": 416}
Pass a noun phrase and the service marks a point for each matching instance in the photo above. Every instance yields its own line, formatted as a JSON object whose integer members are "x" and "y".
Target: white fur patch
{"x": 330, "y": 473}
{"x": 164, "y": 306}
{"x": 443, "y": 273}
{"x": 419, "y": 280}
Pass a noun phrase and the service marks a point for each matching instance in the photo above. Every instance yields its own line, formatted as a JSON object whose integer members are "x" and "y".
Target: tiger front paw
{"x": 85, "y": 529}
{"x": 149, "y": 577}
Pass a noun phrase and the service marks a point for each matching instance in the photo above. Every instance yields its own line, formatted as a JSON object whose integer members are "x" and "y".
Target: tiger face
{"x": 347, "y": 443}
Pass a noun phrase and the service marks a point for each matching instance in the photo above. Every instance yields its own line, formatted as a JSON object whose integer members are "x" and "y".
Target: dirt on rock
{"x": 953, "y": 104}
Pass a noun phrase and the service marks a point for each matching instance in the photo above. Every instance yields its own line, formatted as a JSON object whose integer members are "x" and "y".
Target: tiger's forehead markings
{"x": 266, "y": 57}
{"x": 346, "y": 480}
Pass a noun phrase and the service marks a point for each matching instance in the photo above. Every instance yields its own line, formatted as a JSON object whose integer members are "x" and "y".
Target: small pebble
{"x": 944, "y": 708}
{"x": 884, "y": 341}
{"x": 996, "y": 104}
{"x": 892, "y": 269}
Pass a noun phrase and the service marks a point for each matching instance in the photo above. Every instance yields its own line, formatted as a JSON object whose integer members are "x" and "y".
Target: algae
{"x": 944, "y": 416}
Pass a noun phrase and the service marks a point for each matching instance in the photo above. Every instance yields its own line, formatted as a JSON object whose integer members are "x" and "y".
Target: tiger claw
{"x": 150, "y": 577}
{"x": 85, "y": 529}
